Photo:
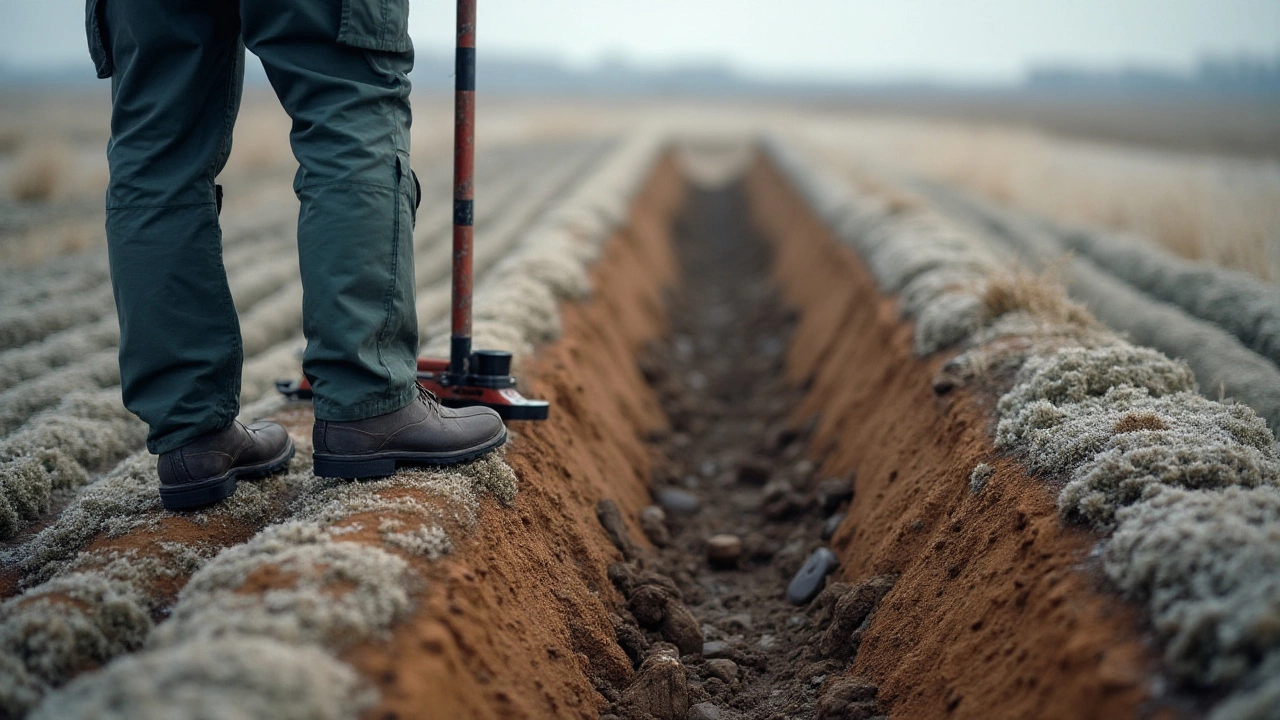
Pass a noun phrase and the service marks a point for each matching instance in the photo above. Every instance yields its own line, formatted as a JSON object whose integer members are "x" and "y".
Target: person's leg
{"x": 175, "y": 91}
{"x": 340, "y": 68}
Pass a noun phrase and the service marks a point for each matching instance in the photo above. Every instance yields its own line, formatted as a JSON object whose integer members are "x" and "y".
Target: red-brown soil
{"x": 516, "y": 622}
{"x": 993, "y": 615}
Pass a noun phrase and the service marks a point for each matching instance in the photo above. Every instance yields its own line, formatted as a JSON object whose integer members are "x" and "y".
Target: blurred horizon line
{"x": 518, "y": 73}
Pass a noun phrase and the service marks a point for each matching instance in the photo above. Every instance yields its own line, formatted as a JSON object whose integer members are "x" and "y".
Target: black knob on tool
{"x": 491, "y": 363}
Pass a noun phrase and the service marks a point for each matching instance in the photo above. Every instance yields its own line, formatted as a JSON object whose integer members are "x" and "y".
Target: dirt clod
{"x": 660, "y": 690}
{"x": 849, "y": 615}
{"x": 629, "y": 637}
{"x": 847, "y": 698}
{"x": 680, "y": 627}
{"x": 611, "y": 520}
{"x": 649, "y": 604}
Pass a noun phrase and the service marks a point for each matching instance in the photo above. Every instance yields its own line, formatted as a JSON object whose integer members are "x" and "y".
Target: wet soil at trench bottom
{"x": 738, "y": 508}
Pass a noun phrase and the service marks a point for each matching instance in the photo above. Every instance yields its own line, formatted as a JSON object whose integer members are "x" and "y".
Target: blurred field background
{"x": 1197, "y": 173}
{"x": 1184, "y": 155}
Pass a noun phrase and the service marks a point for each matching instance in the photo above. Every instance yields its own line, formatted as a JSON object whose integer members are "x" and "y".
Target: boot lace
{"x": 429, "y": 398}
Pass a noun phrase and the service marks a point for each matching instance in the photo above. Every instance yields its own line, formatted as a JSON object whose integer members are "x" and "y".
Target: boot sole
{"x": 355, "y": 467}
{"x": 215, "y": 489}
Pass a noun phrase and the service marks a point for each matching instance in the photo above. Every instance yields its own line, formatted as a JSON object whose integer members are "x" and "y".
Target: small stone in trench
{"x": 832, "y": 524}
{"x": 737, "y": 621}
{"x": 723, "y": 668}
{"x": 706, "y": 711}
{"x": 834, "y": 492}
{"x": 653, "y": 520}
{"x": 716, "y": 649}
{"x": 678, "y": 501}
{"x": 767, "y": 642}
{"x": 724, "y": 549}
{"x": 806, "y": 584}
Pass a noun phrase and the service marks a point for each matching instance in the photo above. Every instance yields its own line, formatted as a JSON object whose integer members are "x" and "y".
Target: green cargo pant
{"x": 340, "y": 68}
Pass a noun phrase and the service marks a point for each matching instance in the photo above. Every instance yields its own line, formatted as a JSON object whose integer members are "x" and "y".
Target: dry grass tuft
{"x": 1136, "y": 421}
{"x": 1040, "y": 295}
{"x": 39, "y": 172}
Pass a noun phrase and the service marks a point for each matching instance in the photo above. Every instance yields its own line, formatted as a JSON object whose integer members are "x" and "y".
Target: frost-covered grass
{"x": 59, "y": 451}
{"x": 1223, "y": 365}
{"x": 63, "y": 348}
{"x": 240, "y": 677}
{"x": 1235, "y": 300}
{"x": 20, "y": 326}
{"x": 1184, "y": 490}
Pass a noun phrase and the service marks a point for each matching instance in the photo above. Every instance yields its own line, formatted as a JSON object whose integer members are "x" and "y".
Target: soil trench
{"x": 705, "y": 447}
{"x": 741, "y": 507}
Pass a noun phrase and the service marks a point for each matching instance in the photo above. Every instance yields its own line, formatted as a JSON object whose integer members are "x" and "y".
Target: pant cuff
{"x": 348, "y": 413}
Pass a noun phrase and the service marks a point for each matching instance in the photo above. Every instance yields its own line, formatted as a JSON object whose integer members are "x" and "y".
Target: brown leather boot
{"x": 422, "y": 433}
{"x": 204, "y": 471}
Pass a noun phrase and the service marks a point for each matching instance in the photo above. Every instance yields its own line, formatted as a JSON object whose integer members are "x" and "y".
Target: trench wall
{"x": 517, "y": 623}
{"x": 991, "y": 615}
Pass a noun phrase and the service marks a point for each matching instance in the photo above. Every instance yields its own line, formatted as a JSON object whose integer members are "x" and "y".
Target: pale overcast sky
{"x": 950, "y": 40}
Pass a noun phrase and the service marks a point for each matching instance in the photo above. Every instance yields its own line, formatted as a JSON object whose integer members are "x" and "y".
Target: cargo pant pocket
{"x": 376, "y": 25}
{"x": 95, "y": 28}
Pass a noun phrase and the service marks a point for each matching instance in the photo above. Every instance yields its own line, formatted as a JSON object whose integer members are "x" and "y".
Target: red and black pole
{"x": 467, "y": 378}
{"x": 464, "y": 156}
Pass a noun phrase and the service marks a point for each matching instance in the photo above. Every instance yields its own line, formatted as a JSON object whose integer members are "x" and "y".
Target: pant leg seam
{"x": 331, "y": 183}
{"x": 389, "y": 298}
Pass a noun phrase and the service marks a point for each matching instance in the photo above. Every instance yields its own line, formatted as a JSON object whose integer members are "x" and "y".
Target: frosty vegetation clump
{"x": 240, "y": 677}
{"x": 80, "y": 620}
{"x": 982, "y": 472}
{"x": 17, "y": 404}
{"x": 1208, "y": 564}
{"x": 58, "y": 451}
{"x": 1185, "y": 490}
{"x": 64, "y": 348}
{"x": 40, "y": 320}
{"x": 293, "y": 582}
